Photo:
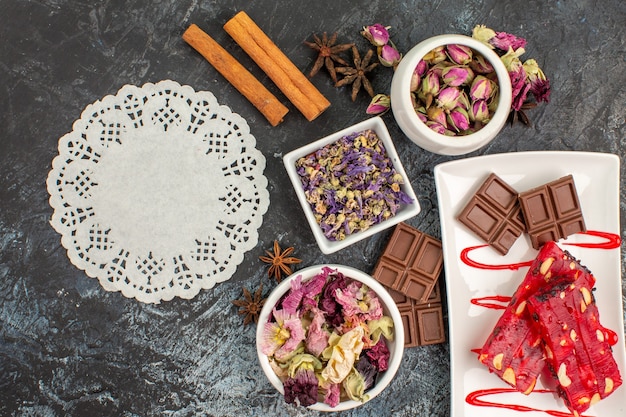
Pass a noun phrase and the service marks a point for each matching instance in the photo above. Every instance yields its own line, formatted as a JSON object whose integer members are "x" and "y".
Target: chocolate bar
{"x": 552, "y": 211}
{"x": 423, "y": 322}
{"x": 494, "y": 214}
{"x": 411, "y": 263}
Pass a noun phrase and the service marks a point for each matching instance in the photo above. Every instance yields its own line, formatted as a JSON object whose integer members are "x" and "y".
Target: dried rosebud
{"x": 430, "y": 83}
{"x": 437, "y": 115}
{"x": 482, "y": 88}
{"x": 479, "y": 111}
{"x": 506, "y": 41}
{"x": 483, "y": 34}
{"x": 437, "y": 127}
{"x": 389, "y": 56}
{"x": 448, "y": 98}
{"x": 480, "y": 65}
{"x": 436, "y": 55}
{"x": 421, "y": 67}
{"x": 457, "y": 75}
{"x": 458, "y": 119}
{"x": 377, "y": 34}
{"x": 459, "y": 54}
{"x": 379, "y": 105}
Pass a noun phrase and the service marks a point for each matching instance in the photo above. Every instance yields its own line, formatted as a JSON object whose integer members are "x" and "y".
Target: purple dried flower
{"x": 448, "y": 98}
{"x": 379, "y": 355}
{"x": 459, "y": 119}
{"x": 301, "y": 389}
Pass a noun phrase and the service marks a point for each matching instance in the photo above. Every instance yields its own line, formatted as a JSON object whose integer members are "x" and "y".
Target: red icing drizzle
{"x": 473, "y": 398}
{"x": 611, "y": 240}
{"x": 500, "y": 303}
{"x": 474, "y": 264}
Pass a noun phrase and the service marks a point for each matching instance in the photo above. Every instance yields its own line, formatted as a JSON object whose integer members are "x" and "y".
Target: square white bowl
{"x": 405, "y": 211}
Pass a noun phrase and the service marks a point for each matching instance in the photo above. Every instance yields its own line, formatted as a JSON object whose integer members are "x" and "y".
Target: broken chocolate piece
{"x": 411, "y": 263}
{"x": 552, "y": 211}
{"x": 494, "y": 214}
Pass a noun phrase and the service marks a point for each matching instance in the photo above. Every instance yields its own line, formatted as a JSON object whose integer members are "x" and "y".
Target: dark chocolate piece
{"x": 552, "y": 211}
{"x": 411, "y": 263}
{"x": 494, "y": 214}
{"x": 423, "y": 322}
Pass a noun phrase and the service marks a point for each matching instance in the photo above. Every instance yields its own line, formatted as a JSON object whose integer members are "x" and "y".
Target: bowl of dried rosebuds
{"x": 451, "y": 94}
{"x": 330, "y": 338}
{"x": 351, "y": 184}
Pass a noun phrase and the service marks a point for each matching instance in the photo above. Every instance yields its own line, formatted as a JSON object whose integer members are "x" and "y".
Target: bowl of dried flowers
{"x": 330, "y": 338}
{"x": 451, "y": 94}
{"x": 351, "y": 184}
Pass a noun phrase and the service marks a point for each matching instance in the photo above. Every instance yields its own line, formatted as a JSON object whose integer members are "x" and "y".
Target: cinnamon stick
{"x": 289, "y": 79}
{"x": 246, "y": 83}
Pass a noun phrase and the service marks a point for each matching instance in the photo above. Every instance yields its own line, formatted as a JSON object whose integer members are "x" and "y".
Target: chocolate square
{"x": 493, "y": 214}
{"x": 552, "y": 211}
{"x": 411, "y": 263}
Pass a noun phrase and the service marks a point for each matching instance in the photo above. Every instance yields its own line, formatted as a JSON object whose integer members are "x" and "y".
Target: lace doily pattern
{"x": 158, "y": 191}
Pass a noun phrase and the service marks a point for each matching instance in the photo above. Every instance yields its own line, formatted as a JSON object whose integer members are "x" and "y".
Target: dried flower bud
{"x": 380, "y": 104}
{"x": 418, "y": 72}
{"x": 430, "y": 83}
{"x": 539, "y": 84}
{"x": 480, "y": 65}
{"x": 482, "y": 88}
{"x": 506, "y": 41}
{"x": 458, "y": 119}
{"x": 438, "y": 115}
{"x": 437, "y": 127}
{"x": 520, "y": 87}
{"x": 377, "y": 34}
{"x": 459, "y": 54}
{"x": 389, "y": 56}
{"x": 457, "y": 75}
{"x": 448, "y": 98}
{"x": 436, "y": 55}
{"x": 479, "y": 111}
{"x": 483, "y": 34}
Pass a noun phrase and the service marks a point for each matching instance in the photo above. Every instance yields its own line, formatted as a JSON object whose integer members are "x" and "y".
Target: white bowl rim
{"x": 487, "y": 132}
{"x": 389, "y": 304}
{"x": 377, "y": 124}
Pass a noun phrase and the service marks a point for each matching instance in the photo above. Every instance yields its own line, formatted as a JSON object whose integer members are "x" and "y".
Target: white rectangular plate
{"x": 596, "y": 177}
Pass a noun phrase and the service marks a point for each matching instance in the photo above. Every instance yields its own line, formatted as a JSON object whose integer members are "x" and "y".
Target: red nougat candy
{"x": 577, "y": 348}
{"x": 514, "y": 350}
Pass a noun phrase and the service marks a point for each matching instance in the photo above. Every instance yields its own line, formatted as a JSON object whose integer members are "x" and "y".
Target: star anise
{"x": 279, "y": 261}
{"x": 521, "y": 113}
{"x": 357, "y": 75}
{"x": 328, "y": 52}
{"x": 250, "y": 305}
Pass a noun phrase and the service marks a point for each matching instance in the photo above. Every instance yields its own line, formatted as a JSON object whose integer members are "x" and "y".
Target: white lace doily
{"x": 158, "y": 191}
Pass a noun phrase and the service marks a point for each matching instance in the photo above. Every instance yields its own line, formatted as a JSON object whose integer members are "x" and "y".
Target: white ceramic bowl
{"x": 396, "y": 347}
{"x": 405, "y": 212}
{"x": 421, "y": 134}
